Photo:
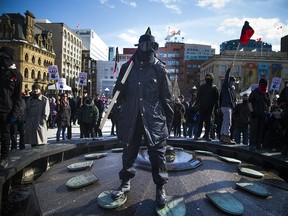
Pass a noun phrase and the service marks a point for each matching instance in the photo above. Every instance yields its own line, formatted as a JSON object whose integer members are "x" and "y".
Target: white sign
{"x": 82, "y": 79}
{"x": 53, "y": 72}
{"x": 254, "y": 86}
{"x": 275, "y": 85}
{"x": 61, "y": 83}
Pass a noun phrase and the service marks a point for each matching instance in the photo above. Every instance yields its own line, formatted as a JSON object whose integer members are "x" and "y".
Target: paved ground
{"x": 76, "y": 131}
{"x": 50, "y": 196}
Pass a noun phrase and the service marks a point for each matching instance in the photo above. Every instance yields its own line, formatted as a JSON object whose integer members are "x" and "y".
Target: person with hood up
{"x": 259, "y": 105}
{"x": 10, "y": 100}
{"x": 87, "y": 117}
{"x": 207, "y": 100}
{"x": 146, "y": 109}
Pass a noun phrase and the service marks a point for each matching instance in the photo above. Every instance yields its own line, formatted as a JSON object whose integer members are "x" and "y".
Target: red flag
{"x": 246, "y": 33}
{"x": 116, "y": 60}
{"x": 259, "y": 39}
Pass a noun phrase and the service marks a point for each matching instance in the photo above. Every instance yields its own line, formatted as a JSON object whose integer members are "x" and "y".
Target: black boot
{"x": 160, "y": 196}
{"x": 119, "y": 192}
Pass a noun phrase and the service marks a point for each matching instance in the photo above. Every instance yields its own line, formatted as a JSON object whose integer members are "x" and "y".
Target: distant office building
{"x": 253, "y": 45}
{"x": 284, "y": 44}
{"x": 68, "y": 48}
{"x": 105, "y": 77}
{"x": 111, "y": 53}
{"x": 198, "y": 52}
{"x": 91, "y": 41}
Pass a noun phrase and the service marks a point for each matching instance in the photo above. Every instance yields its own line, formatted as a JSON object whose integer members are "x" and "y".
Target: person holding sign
{"x": 146, "y": 109}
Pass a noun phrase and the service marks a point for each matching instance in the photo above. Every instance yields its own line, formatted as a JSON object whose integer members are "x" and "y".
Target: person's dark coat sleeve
{"x": 17, "y": 96}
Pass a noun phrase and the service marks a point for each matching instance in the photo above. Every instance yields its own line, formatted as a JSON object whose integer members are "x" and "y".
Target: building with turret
{"x": 33, "y": 47}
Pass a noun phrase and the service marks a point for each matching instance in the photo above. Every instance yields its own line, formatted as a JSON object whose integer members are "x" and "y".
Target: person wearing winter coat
{"x": 208, "y": 101}
{"x": 259, "y": 105}
{"x": 87, "y": 118}
{"x": 228, "y": 102}
{"x": 36, "y": 116}
{"x": 63, "y": 117}
{"x": 10, "y": 100}
{"x": 146, "y": 109}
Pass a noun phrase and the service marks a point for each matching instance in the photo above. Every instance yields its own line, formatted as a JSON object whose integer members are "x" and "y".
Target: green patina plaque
{"x": 93, "y": 156}
{"x": 80, "y": 181}
{"x": 253, "y": 187}
{"x": 250, "y": 172}
{"x": 106, "y": 201}
{"x": 174, "y": 207}
{"x": 80, "y": 165}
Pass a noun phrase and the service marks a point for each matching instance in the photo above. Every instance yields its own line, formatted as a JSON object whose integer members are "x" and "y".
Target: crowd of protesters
{"x": 258, "y": 120}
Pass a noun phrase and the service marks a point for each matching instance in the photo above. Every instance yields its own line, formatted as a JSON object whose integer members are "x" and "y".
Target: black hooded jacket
{"x": 147, "y": 90}
{"x": 10, "y": 91}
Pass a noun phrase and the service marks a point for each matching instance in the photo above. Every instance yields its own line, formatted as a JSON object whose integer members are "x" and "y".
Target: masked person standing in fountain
{"x": 146, "y": 108}
{"x": 36, "y": 116}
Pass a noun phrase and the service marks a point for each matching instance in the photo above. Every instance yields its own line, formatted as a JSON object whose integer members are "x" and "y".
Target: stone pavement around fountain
{"x": 50, "y": 195}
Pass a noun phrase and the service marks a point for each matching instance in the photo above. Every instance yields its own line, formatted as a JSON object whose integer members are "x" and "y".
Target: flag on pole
{"x": 259, "y": 39}
{"x": 116, "y": 60}
{"x": 246, "y": 33}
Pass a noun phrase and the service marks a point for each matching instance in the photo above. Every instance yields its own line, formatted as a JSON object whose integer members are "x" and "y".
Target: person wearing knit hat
{"x": 36, "y": 116}
{"x": 259, "y": 105}
{"x": 146, "y": 110}
{"x": 10, "y": 100}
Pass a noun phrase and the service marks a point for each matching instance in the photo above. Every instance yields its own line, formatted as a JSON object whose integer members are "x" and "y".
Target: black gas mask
{"x": 146, "y": 46}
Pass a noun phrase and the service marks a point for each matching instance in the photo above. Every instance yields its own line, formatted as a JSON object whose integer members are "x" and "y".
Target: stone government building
{"x": 32, "y": 45}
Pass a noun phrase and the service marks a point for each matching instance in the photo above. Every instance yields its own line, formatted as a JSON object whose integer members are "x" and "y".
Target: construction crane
{"x": 172, "y": 33}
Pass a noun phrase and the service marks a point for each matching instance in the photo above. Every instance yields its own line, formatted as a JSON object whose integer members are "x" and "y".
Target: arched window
{"x": 26, "y": 57}
{"x": 33, "y": 74}
{"x": 39, "y": 75}
{"x": 26, "y": 73}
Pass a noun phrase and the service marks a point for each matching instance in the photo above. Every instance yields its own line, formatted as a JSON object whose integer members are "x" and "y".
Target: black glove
{"x": 253, "y": 114}
{"x": 120, "y": 87}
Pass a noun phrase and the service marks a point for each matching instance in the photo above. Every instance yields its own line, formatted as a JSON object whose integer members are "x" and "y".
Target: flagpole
{"x": 236, "y": 53}
{"x": 116, "y": 95}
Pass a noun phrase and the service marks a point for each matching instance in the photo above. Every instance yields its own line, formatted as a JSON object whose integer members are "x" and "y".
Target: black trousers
{"x": 256, "y": 131}
{"x": 16, "y": 127}
{"x": 156, "y": 155}
{"x": 5, "y": 134}
{"x": 204, "y": 116}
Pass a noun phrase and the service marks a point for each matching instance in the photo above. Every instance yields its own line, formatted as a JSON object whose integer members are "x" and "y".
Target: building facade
{"x": 33, "y": 47}
{"x": 91, "y": 41}
{"x": 68, "y": 48}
